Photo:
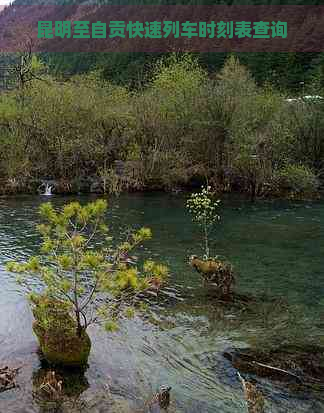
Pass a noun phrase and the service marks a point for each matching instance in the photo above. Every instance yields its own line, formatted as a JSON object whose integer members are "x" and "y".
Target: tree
{"x": 25, "y": 66}
{"x": 166, "y": 118}
{"x": 202, "y": 206}
{"x": 80, "y": 268}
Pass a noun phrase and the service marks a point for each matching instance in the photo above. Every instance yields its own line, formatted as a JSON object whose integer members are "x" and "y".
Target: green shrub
{"x": 295, "y": 179}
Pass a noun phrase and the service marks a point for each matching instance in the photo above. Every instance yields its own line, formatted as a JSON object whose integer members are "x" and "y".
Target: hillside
{"x": 287, "y": 71}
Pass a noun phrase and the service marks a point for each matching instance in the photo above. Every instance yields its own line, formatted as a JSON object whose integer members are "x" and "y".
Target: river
{"x": 277, "y": 248}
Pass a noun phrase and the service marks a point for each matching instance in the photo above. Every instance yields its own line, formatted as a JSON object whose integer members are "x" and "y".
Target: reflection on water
{"x": 276, "y": 248}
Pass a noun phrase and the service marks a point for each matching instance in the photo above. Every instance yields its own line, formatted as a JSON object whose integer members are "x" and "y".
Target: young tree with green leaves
{"x": 203, "y": 208}
{"x": 81, "y": 267}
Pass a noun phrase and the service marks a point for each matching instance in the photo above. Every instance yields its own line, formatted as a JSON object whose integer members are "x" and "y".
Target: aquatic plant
{"x": 203, "y": 208}
{"x": 82, "y": 276}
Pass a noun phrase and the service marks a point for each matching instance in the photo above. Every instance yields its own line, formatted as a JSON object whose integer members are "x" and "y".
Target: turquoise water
{"x": 277, "y": 249}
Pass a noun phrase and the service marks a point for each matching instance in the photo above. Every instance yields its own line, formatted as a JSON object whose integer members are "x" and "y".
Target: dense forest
{"x": 184, "y": 126}
{"x": 285, "y": 71}
{"x": 134, "y": 121}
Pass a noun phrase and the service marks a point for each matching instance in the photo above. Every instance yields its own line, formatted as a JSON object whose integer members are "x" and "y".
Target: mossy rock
{"x": 56, "y": 331}
{"x": 216, "y": 273}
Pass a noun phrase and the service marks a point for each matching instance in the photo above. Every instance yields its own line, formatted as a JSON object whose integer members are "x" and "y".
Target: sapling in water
{"x": 82, "y": 273}
{"x": 203, "y": 208}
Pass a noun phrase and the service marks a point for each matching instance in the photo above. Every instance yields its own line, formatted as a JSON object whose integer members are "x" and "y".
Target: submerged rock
{"x": 49, "y": 388}
{"x": 57, "y": 334}
{"x": 7, "y": 378}
{"x": 60, "y": 390}
{"x": 291, "y": 364}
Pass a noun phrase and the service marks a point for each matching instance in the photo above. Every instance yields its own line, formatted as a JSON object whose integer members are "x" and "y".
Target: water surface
{"x": 277, "y": 249}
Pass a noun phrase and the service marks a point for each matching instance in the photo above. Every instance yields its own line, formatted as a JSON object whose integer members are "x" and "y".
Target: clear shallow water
{"x": 277, "y": 248}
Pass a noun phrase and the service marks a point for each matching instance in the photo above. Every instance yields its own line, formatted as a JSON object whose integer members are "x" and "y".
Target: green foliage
{"x": 82, "y": 269}
{"x": 178, "y": 75}
{"x": 306, "y": 122}
{"x": 182, "y": 127}
{"x": 284, "y": 70}
{"x": 203, "y": 208}
{"x": 297, "y": 180}
{"x": 85, "y": 117}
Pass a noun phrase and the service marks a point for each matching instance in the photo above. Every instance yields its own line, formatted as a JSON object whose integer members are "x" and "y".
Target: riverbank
{"x": 88, "y": 135}
{"x": 96, "y": 186}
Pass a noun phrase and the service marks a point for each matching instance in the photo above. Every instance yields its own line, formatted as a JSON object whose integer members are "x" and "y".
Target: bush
{"x": 297, "y": 180}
